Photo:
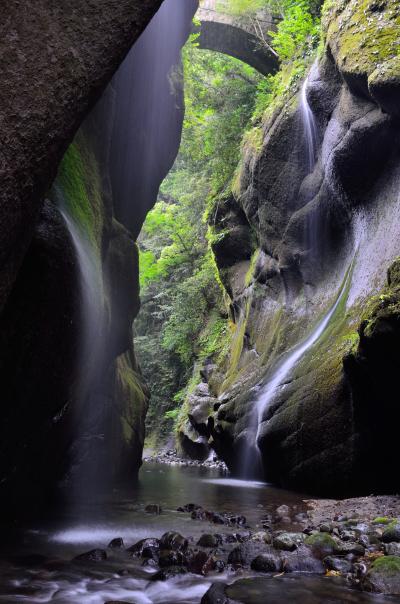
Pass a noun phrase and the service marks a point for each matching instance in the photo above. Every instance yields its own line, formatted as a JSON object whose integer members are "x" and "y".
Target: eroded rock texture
{"x": 332, "y": 424}
{"x": 56, "y": 58}
{"x": 73, "y": 401}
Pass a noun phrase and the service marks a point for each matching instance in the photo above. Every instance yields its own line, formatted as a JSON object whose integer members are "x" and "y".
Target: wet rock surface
{"x": 337, "y": 547}
{"x": 172, "y": 458}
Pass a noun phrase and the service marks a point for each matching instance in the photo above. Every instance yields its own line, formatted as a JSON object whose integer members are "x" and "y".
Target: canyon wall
{"x": 288, "y": 240}
{"x": 73, "y": 413}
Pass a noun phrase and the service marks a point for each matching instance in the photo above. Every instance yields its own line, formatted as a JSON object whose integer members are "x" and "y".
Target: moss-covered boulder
{"x": 321, "y": 542}
{"x": 384, "y": 576}
{"x": 363, "y": 37}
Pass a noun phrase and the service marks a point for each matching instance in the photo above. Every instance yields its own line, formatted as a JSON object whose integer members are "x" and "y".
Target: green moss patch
{"x": 321, "y": 541}
{"x": 79, "y": 180}
{"x": 387, "y": 565}
{"x": 363, "y": 34}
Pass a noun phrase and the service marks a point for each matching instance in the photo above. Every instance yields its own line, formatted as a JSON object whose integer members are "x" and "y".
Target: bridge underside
{"x": 238, "y": 43}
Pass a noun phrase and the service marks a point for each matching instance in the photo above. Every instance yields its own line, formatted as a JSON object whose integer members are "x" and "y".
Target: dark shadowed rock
{"x": 168, "y": 573}
{"x": 267, "y": 563}
{"x": 208, "y": 540}
{"x": 170, "y": 557}
{"x": 116, "y": 543}
{"x": 94, "y": 555}
{"x": 150, "y": 547}
{"x": 391, "y": 534}
{"x": 338, "y": 564}
{"x": 201, "y": 563}
{"x": 216, "y": 595}
{"x": 173, "y": 541}
{"x": 153, "y": 509}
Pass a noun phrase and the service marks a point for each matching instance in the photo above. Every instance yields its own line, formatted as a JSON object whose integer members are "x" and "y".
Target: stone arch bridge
{"x": 244, "y": 38}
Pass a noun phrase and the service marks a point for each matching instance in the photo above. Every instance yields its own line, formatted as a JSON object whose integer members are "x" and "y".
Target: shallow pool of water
{"x": 35, "y": 563}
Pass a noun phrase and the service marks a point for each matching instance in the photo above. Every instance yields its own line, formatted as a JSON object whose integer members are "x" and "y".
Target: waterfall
{"x": 283, "y": 370}
{"x": 251, "y": 460}
{"x": 310, "y": 127}
{"x": 88, "y": 424}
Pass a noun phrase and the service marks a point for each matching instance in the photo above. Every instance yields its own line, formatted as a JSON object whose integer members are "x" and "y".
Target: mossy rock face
{"x": 384, "y": 576}
{"x": 363, "y": 36}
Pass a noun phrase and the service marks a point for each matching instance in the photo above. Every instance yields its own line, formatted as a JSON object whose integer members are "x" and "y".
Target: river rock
{"x": 216, "y": 595}
{"x": 116, "y": 543}
{"x": 391, "y": 534}
{"x": 238, "y": 556}
{"x": 209, "y": 540}
{"x": 267, "y": 563}
{"x": 338, "y": 564}
{"x": 301, "y": 560}
{"x": 288, "y": 541}
{"x": 168, "y": 573}
{"x": 349, "y": 547}
{"x": 383, "y": 576}
{"x": 170, "y": 557}
{"x": 94, "y": 555}
{"x": 173, "y": 541}
{"x": 153, "y": 509}
{"x": 392, "y": 549}
{"x": 261, "y": 537}
{"x": 321, "y": 542}
{"x": 145, "y": 547}
{"x": 201, "y": 563}
{"x": 347, "y": 535}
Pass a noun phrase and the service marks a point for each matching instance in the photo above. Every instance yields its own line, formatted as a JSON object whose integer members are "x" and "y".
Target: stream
{"x": 36, "y": 562}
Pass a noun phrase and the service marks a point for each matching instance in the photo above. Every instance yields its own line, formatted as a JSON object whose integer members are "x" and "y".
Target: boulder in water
{"x": 170, "y": 557}
{"x": 173, "y": 541}
{"x": 94, "y": 555}
{"x": 383, "y": 576}
{"x": 267, "y": 563}
{"x": 209, "y": 540}
{"x": 144, "y": 546}
{"x": 201, "y": 563}
{"x": 340, "y": 565}
{"x": 168, "y": 573}
{"x": 116, "y": 543}
{"x": 392, "y": 549}
{"x": 153, "y": 509}
{"x": 392, "y": 533}
{"x": 216, "y": 595}
{"x": 288, "y": 541}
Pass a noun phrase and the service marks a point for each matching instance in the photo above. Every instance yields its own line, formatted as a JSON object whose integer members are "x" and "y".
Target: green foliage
{"x": 219, "y": 97}
{"x": 297, "y": 34}
{"x": 183, "y": 320}
{"x": 173, "y": 414}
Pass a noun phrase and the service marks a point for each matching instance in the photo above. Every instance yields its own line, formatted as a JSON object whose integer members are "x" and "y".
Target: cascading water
{"x": 277, "y": 381}
{"x": 252, "y": 464}
{"x": 252, "y": 460}
{"x": 88, "y": 426}
{"x": 309, "y": 126}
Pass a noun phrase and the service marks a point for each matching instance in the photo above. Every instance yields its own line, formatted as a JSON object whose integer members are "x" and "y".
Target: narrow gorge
{"x": 200, "y": 301}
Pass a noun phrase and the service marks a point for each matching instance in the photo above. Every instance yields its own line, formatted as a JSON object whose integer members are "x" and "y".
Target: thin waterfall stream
{"x": 87, "y": 428}
{"x": 281, "y": 373}
{"x": 310, "y": 128}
